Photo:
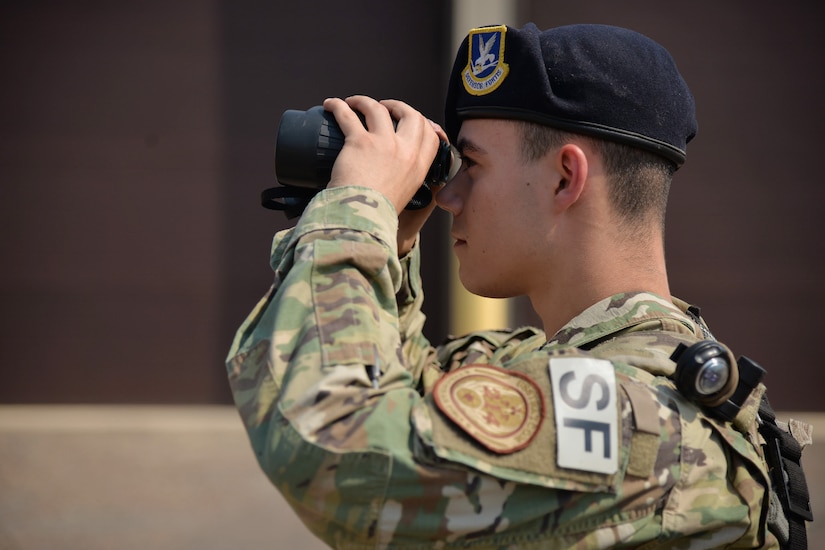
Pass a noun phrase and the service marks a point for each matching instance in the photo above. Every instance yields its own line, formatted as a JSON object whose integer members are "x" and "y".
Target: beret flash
{"x": 597, "y": 80}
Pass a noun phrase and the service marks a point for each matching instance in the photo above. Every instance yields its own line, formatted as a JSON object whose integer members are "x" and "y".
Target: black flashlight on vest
{"x": 707, "y": 374}
{"x": 306, "y": 146}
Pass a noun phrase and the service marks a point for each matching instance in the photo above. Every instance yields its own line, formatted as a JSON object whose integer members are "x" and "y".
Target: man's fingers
{"x": 376, "y": 115}
{"x": 413, "y": 126}
{"x": 442, "y": 135}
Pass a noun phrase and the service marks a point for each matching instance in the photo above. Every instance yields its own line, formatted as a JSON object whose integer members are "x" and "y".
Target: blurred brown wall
{"x": 135, "y": 138}
{"x": 110, "y": 167}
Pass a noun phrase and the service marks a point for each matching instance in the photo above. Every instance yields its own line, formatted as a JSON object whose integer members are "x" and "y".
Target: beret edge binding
{"x": 674, "y": 154}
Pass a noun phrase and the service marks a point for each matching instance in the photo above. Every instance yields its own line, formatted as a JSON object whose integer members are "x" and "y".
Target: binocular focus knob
{"x": 706, "y": 372}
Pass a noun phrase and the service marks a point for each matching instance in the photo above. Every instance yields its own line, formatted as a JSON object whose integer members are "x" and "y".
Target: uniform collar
{"x": 624, "y": 313}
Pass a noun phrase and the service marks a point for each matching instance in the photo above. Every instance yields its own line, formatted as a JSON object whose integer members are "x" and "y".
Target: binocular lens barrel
{"x": 307, "y": 144}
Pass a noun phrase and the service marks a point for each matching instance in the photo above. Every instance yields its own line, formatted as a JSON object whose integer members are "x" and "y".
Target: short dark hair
{"x": 639, "y": 180}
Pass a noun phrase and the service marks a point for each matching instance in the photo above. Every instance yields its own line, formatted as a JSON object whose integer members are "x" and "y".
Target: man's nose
{"x": 448, "y": 197}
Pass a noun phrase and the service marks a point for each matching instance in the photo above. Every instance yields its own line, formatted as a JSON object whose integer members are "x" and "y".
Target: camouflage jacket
{"x": 499, "y": 439}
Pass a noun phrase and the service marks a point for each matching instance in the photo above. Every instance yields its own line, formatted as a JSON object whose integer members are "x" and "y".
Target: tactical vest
{"x": 742, "y": 405}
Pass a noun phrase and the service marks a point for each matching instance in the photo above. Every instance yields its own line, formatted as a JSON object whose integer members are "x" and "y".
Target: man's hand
{"x": 391, "y": 160}
{"x": 410, "y": 223}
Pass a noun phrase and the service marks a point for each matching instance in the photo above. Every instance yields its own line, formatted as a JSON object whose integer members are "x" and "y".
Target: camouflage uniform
{"x": 339, "y": 392}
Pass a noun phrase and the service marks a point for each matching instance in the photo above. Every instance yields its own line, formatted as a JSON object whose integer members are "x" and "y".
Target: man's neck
{"x": 597, "y": 276}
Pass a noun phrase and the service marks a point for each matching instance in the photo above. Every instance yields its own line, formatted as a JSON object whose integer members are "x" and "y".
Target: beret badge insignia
{"x": 486, "y": 69}
{"x": 501, "y": 409}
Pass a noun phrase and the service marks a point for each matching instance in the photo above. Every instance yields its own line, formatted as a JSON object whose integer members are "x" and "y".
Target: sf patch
{"x": 502, "y": 410}
{"x": 587, "y": 414}
{"x": 486, "y": 69}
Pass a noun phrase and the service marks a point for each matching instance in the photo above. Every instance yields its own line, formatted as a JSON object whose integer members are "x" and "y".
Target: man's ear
{"x": 571, "y": 166}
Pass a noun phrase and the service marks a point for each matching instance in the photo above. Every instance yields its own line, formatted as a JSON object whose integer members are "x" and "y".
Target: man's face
{"x": 500, "y": 208}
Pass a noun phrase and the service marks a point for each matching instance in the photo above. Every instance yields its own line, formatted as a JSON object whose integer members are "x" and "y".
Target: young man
{"x": 571, "y": 436}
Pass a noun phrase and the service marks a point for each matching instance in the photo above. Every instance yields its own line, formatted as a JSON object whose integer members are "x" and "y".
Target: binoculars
{"x": 306, "y": 146}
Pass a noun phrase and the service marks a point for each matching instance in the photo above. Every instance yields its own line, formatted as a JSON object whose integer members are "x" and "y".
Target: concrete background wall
{"x": 168, "y": 477}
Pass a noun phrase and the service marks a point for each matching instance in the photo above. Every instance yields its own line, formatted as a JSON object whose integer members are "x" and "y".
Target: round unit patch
{"x": 500, "y": 409}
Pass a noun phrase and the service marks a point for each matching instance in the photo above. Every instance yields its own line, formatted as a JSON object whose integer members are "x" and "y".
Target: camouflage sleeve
{"x": 320, "y": 370}
{"x": 420, "y": 356}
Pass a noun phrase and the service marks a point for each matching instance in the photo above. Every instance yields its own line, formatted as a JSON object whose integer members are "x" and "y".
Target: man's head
{"x": 597, "y": 80}
{"x": 569, "y": 139}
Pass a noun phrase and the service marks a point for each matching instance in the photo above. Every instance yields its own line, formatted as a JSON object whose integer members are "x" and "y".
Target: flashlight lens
{"x": 712, "y": 376}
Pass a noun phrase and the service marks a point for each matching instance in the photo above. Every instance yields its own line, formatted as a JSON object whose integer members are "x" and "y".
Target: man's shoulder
{"x": 489, "y": 346}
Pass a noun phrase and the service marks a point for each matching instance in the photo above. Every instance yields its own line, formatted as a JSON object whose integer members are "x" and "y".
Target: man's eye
{"x": 466, "y": 163}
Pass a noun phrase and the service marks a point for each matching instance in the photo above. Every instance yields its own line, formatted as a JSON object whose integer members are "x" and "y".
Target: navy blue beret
{"x": 597, "y": 80}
